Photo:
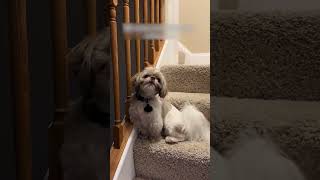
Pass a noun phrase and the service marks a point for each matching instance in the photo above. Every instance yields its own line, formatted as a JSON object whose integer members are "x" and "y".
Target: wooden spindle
{"x": 92, "y": 17}
{"x": 117, "y": 129}
{"x": 146, "y": 43}
{"x": 127, "y": 55}
{"x": 137, "y": 43}
{"x": 157, "y": 21}
{"x": 152, "y": 49}
{"x": 20, "y": 84}
{"x": 162, "y": 12}
{"x": 59, "y": 40}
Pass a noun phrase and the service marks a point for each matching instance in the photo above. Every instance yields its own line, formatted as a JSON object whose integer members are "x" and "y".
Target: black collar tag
{"x": 148, "y": 108}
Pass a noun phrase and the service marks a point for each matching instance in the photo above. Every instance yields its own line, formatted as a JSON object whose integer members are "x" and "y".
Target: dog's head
{"x": 89, "y": 67}
{"x": 149, "y": 83}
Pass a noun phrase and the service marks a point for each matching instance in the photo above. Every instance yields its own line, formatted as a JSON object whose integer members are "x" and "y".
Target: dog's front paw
{"x": 171, "y": 140}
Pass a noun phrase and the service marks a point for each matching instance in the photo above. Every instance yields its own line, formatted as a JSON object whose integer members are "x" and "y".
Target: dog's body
{"x": 83, "y": 153}
{"x": 149, "y": 91}
{"x": 188, "y": 124}
{"x": 149, "y": 124}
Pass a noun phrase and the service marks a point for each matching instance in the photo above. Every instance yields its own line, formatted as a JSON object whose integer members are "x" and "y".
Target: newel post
{"x": 117, "y": 128}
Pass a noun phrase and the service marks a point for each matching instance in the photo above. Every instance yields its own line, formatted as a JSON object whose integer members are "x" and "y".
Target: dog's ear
{"x": 163, "y": 90}
{"x": 134, "y": 83}
{"x": 76, "y": 57}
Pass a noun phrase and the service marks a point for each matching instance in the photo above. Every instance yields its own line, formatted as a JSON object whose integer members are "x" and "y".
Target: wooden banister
{"x": 127, "y": 55}
{"x": 20, "y": 84}
{"x": 137, "y": 42}
{"x": 92, "y": 17}
{"x": 117, "y": 128}
{"x": 145, "y": 20}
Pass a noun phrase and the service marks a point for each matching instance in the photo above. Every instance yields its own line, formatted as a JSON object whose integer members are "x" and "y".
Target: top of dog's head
{"x": 149, "y": 83}
{"x": 89, "y": 65}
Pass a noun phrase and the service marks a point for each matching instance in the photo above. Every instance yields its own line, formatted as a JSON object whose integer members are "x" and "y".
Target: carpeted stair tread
{"x": 158, "y": 160}
{"x": 187, "y": 78}
{"x": 199, "y": 100}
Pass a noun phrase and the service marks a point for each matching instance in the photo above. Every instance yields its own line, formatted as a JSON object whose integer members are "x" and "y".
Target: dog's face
{"x": 149, "y": 83}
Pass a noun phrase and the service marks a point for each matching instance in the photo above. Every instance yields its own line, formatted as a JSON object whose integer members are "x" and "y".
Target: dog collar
{"x": 147, "y": 108}
{"x": 143, "y": 99}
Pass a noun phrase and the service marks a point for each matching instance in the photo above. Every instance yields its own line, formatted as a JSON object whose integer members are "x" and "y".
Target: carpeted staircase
{"x": 185, "y": 160}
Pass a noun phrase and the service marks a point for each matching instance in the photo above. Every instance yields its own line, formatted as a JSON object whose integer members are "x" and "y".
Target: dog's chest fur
{"x": 148, "y": 123}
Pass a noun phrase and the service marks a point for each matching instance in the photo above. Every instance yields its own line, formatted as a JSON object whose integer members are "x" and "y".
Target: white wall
{"x": 197, "y": 14}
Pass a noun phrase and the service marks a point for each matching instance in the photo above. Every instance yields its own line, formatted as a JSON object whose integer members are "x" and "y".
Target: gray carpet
{"x": 182, "y": 161}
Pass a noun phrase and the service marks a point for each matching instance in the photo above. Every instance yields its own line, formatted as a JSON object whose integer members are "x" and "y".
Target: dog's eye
{"x": 146, "y": 76}
{"x": 158, "y": 80}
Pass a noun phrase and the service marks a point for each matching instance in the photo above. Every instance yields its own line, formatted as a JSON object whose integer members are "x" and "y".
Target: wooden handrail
{"x": 92, "y": 17}
{"x": 117, "y": 128}
{"x": 20, "y": 84}
{"x": 137, "y": 43}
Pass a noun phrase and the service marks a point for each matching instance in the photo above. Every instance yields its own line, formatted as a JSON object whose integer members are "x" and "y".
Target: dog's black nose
{"x": 153, "y": 78}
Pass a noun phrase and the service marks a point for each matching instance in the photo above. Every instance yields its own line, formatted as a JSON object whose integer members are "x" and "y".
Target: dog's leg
{"x": 172, "y": 140}
{"x": 175, "y": 138}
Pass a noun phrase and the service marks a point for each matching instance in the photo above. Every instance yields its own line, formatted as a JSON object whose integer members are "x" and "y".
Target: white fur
{"x": 256, "y": 159}
{"x": 189, "y": 124}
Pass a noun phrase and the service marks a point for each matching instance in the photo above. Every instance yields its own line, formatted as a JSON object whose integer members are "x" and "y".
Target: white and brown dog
{"x": 153, "y": 116}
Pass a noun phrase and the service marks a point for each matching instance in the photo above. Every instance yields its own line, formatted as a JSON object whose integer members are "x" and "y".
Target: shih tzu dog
{"x": 149, "y": 87}
{"x": 155, "y": 117}
{"x": 83, "y": 153}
